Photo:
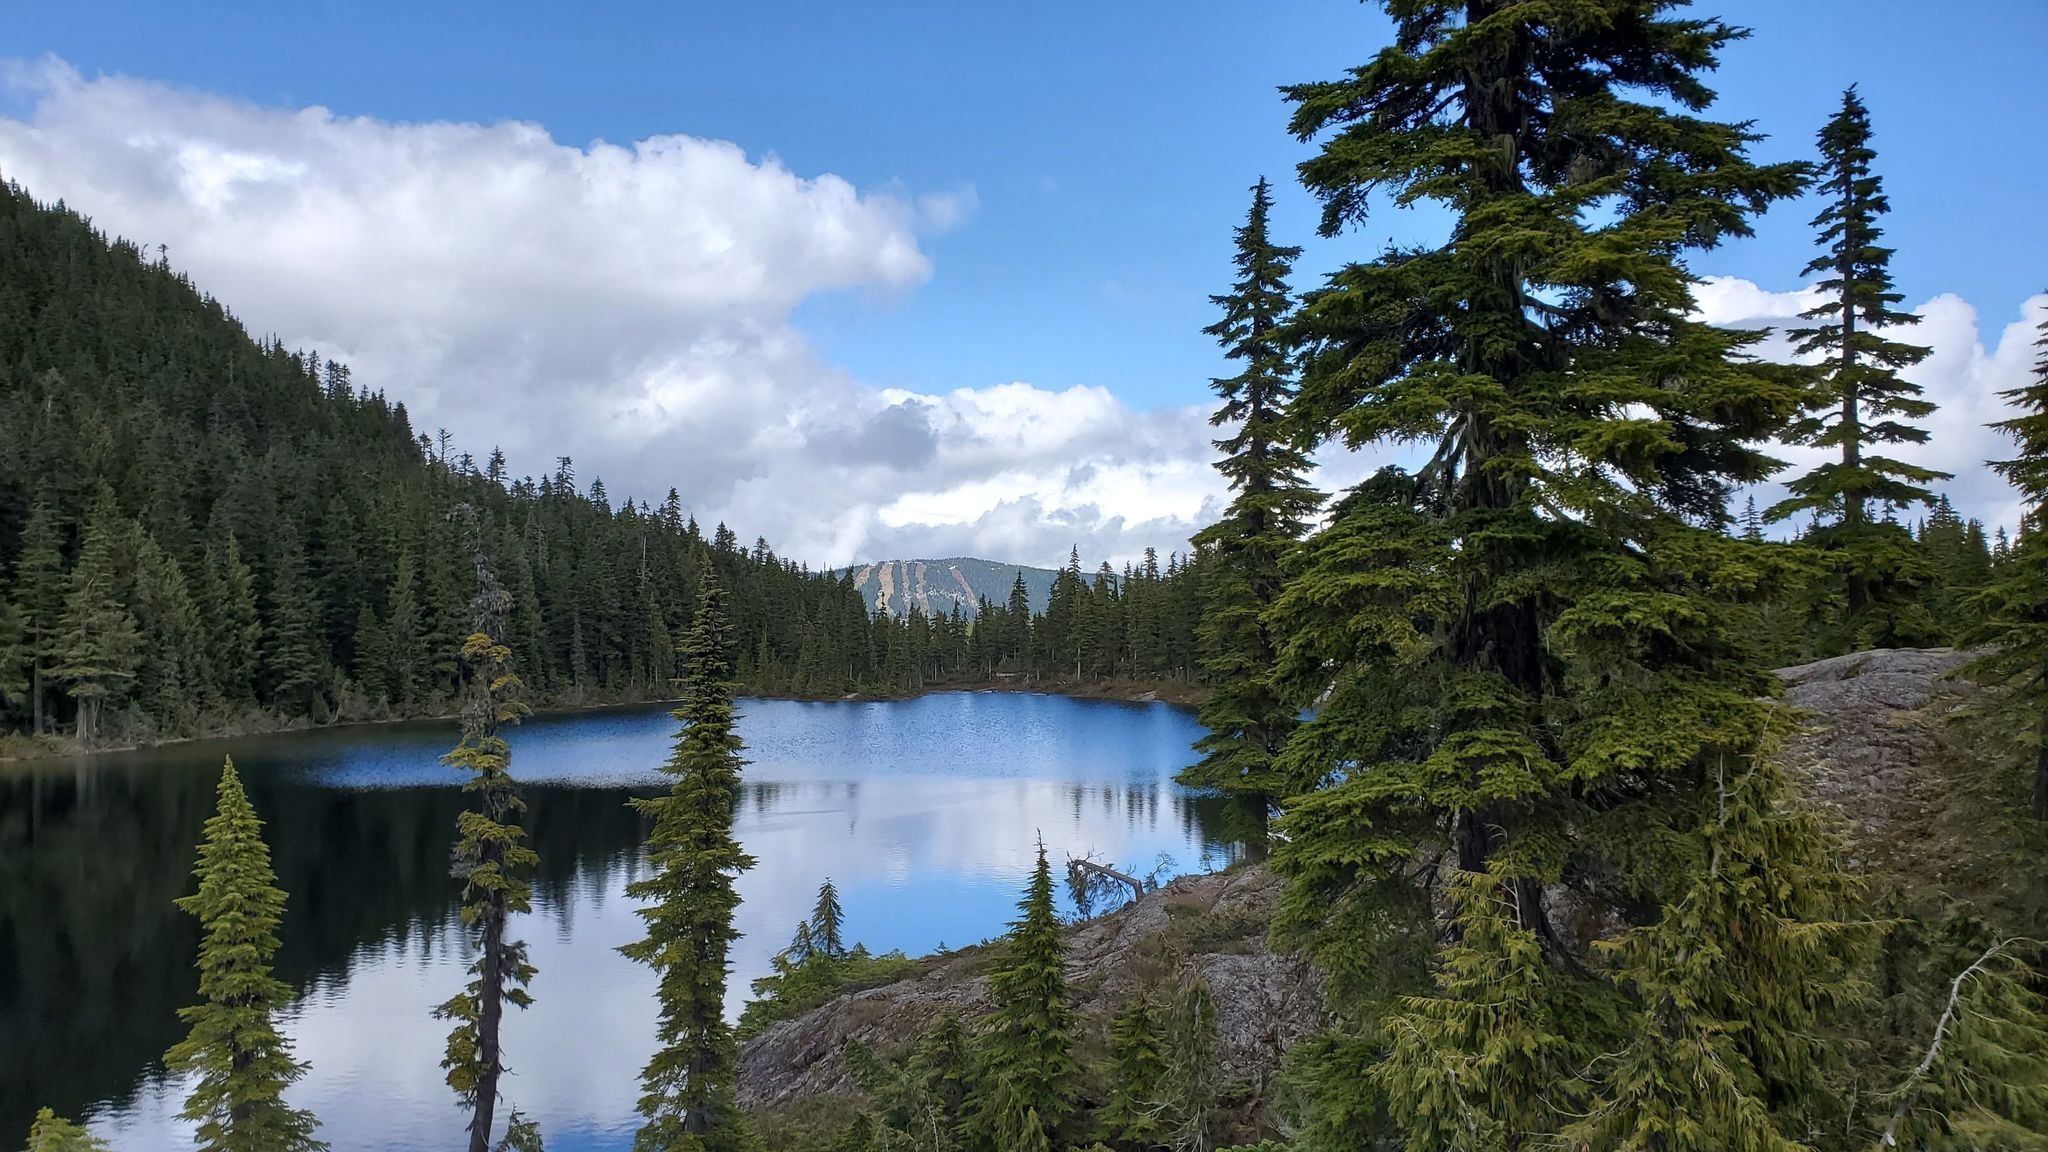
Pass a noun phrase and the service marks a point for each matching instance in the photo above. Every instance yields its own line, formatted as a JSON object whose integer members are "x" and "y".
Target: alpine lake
{"x": 925, "y": 813}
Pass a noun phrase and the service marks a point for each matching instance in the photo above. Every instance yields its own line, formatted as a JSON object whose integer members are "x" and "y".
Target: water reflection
{"x": 926, "y": 814}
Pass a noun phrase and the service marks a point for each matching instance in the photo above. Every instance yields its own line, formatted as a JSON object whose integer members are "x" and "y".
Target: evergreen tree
{"x": 243, "y": 1065}
{"x": 1858, "y": 403}
{"x": 173, "y": 680}
{"x": 687, "y": 1092}
{"x": 2014, "y": 606}
{"x": 40, "y": 589}
{"x": 1027, "y": 1067}
{"x": 15, "y": 655}
{"x": 234, "y": 630}
{"x": 1530, "y": 689}
{"x": 491, "y": 856}
{"x": 100, "y": 648}
{"x": 52, "y": 1133}
{"x": 1246, "y": 717}
{"x": 291, "y": 642}
{"x": 1137, "y": 1069}
{"x": 826, "y": 917}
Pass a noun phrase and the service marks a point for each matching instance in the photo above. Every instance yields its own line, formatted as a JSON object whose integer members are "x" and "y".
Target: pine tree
{"x": 243, "y": 1065}
{"x": 1137, "y": 1069}
{"x": 2013, "y": 608}
{"x": 100, "y": 647}
{"x": 1247, "y": 719}
{"x": 687, "y": 1087}
{"x": 491, "y": 856}
{"x": 40, "y": 588}
{"x": 1530, "y": 689}
{"x": 52, "y": 1133}
{"x": 1752, "y": 522}
{"x": 1858, "y": 402}
{"x": 15, "y": 655}
{"x": 1027, "y": 1066}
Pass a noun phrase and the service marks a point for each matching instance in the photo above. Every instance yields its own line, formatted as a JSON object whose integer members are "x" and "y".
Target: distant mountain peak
{"x": 934, "y": 586}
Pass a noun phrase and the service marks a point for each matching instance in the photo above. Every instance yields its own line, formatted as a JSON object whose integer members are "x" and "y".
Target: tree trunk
{"x": 491, "y": 996}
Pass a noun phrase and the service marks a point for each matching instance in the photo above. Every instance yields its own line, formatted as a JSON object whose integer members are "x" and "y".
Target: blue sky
{"x": 1107, "y": 146}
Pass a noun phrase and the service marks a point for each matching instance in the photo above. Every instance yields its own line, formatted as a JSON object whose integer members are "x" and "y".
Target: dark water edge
{"x": 924, "y": 811}
{"x": 19, "y": 746}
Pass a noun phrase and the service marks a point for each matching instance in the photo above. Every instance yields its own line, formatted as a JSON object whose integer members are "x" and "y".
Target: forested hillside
{"x": 202, "y": 531}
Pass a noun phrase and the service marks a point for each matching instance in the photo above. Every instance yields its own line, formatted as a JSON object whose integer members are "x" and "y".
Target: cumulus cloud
{"x": 630, "y": 306}
{"x": 627, "y": 305}
{"x": 1964, "y": 375}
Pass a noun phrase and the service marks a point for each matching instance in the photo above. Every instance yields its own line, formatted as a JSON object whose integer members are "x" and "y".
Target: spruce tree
{"x": 1247, "y": 719}
{"x": 2013, "y": 608}
{"x": 1532, "y": 683}
{"x": 99, "y": 647}
{"x": 242, "y": 1064}
{"x": 15, "y": 655}
{"x": 491, "y": 856}
{"x": 1027, "y": 1066}
{"x": 1858, "y": 403}
{"x": 687, "y": 1088}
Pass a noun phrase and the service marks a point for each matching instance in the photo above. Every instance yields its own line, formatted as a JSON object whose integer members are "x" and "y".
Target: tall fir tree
{"x": 1859, "y": 404}
{"x": 2013, "y": 608}
{"x": 99, "y": 646}
{"x": 1247, "y": 719}
{"x": 234, "y": 629}
{"x": 1027, "y": 1066}
{"x": 1529, "y": 690}
{"x": 687, "y": 1088}
{"x": 491, "y": 855}
{"x": 292, "y": 671}
{"x": 242, "y": 1064}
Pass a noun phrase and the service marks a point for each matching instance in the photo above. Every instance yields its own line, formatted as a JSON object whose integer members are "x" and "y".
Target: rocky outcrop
{"x": 1866, "y": 750}
{"x": 1213, "y": 924}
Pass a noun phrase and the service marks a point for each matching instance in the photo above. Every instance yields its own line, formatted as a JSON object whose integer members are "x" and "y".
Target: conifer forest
{"x": 1501, "y": 721}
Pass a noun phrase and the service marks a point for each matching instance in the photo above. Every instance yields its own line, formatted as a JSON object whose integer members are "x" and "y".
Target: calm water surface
{"x": 924, "y": 812}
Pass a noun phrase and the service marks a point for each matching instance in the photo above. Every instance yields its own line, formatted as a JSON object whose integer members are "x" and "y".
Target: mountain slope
{"x": 935, "y": 586}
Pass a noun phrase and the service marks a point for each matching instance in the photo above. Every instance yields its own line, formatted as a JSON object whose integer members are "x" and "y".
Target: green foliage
{"x": 1247, "y": 719}
{"x": 1857, "y": 402}
{"x": 490, "y": 856}
{"x": 1137, "y": 1067}
{"x": 1532, "y": 678}
{"x": 816, "y": 968}
{"x": 53, "y": 1133}
{"x": 1979, "y": 1076}
{"x": 687, "y": 1086}
{"x": 521, "y": 1135}
{"x": 1027, "y": 1069}
{"x": 2012, "y": 610}
{"x": 98, "y": 641}
{"x": 241, "y": 1063}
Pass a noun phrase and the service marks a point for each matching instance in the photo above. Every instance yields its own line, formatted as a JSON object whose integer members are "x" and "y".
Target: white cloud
{"x": 630, "y": 306}
{"x": 1963, "y": 375}
{"x": 626, "y": 305}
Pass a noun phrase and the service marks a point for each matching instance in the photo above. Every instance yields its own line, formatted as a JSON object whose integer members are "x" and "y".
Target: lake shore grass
{"x": 18, "y": 746}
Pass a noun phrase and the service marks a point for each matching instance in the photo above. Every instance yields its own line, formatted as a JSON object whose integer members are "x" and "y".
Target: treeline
{"x": 203, "y": 532}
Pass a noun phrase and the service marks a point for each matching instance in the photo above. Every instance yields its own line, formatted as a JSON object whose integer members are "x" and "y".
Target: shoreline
{"x": 16, "y": 747}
